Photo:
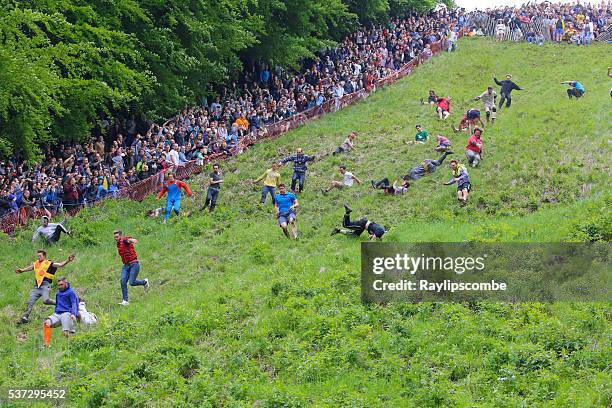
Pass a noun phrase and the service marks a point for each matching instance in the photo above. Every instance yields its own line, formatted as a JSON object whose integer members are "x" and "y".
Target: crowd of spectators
{"x": 573, "y": 23}
{"x": 126, "y": 151}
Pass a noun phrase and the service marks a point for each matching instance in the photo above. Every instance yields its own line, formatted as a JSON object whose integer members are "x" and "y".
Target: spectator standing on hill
{"x": 131, "y": 266}
{"x": 462, "y": 178}
{"x": 285, "y": 204}
{"x": 489, "y": 97}
{"x": 576, "y": 89}
{"x": 300, "y": 167}
{"x": 271, "y": 179}
{"x": 65, "y": 314}
{"x": 473, "y": 150}
{"x": 173, "y": 201}
{"x": 214, "y": 187}
{"x": 44, "y": 273}
{"x": 507, "y": 86}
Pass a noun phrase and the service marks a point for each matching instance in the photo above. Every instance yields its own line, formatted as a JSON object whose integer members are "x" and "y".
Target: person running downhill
{"x": 356, "y": 228}
{"x": 65, "y": 314}
{"x": 348, "y": 179}
{"x": 286, "y": 204}
{"x": 426, "y": 167}
{"x": 399, "y": 186}
{"x": 214, "y": 188}
{"x": 50, "y": 231}
{"x": 300, "y": 167}
{"x": 131, "y": 266}
{"x": 507, "y": 86}
{"x": 473, "y": 150}
{"x": 173, "y": 201}
{"x": 462, "y": 178}
{"x": 348, "y": 144}
{"x": 576, "y": 89}
{"x": 489, "y": 97}
{"x": 44, "y": 273}
{"x": 271, "y": 179}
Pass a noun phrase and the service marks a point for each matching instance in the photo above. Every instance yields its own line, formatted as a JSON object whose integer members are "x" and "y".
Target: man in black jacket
{"x": 506, "y": 88}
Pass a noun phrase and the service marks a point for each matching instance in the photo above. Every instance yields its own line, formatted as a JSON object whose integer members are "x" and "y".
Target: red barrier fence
{"x": 140, "y": 190}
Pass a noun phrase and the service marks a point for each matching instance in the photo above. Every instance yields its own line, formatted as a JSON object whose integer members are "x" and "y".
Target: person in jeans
{"x": 50, "y": 231}
{"x": 473, "y": 150}
{"x": 44, "y": 273}
{"x": 507, "y": 86}
{"x": 173, "y": 188}
{"x": 576, "y": 89}
{"x": 271, "y": 179}
{"x": 213, "y": 189}
{"x": 426, "y": 167}
{"x": 299, "y": 160}
{"x": 356, "y": 228}
{"x": 131, "y": 266}
{"x": 66, "y": 312}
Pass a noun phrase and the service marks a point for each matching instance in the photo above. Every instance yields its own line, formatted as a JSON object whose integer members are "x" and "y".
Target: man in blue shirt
{"x": 576, "y": 89}
{"x": 285, "y": 204}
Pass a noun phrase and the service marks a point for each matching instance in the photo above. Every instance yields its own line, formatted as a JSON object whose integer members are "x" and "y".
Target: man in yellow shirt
{"x": 271, "y": 178}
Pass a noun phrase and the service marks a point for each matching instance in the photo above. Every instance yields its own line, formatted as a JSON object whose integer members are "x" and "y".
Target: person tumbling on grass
{"x": 462, "y": 178}
{"x": 443, "y": 107}
{"x": 432, "y": 99}
{"x": 347, "y": 181}
{"x": 214, "y": 187}
{"x": 426, "y": 167}
{"x": 473, "y": 150}
{"x": 271, "y": 179}
{"x": 173, "y": 201}
{"x": 399, "y": 187}
{"x": 421, "y": 136}
{"x": 50, "y": 231}
{"x": 285, "y": 204}
{"x": 489, "y": 98}
{"x": 356, "y": 228}
{"x": 349, "y": 144}
{"x": 131, "y": 266}
{"x": 300, "y": 166}
{"x": 507, "y": 86}
{"x": 44, "y": 273}
{"x": 443, "y": 145}
{"x": 65, "y": 314}
{"x": 576, "y": 89}
{"x": 468, "y": 122}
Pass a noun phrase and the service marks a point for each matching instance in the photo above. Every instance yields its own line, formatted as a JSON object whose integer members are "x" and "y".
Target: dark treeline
{"x": 66, "y": 64}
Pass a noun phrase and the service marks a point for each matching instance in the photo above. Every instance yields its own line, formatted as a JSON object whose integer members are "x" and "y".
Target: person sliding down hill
{"x": 131, "y": 266}
{"x": 443, "y": 108}
{"x": 426, "y": 167}
{"x": 285, "y": 204}
{"x": 462, "y": 178}
{"x": 356, "y": 228}
{"x": 507, "y": 86}
{"x": 444, "y": 144}
{"x": 473, "y": 150}
{"x": 173, "y": 201}
{"x": 348, "y": 144}
{"x": 66, "y": 312}
{"x": 576, "y": 89}
{"x": 399, "y": 186}
{"x": 50, "y": 231}
{"x": 489, "y": 98}
{"x": 469, "y": 121}
{"x": 44, "y": 273}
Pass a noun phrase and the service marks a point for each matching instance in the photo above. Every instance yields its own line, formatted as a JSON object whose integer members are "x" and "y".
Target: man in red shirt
{"x": 131, "y": 266}
{"x": 444, "y": 107}
{"x": 473, "y": 150}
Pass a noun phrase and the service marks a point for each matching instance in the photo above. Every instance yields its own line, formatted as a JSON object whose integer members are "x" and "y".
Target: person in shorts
{"x": 285, "y": 204}
{"x": 66, "y": 312}
{"x": 356, "y": 228}
{"x": 461, "y": 177}
{"x": 348, "y": 180}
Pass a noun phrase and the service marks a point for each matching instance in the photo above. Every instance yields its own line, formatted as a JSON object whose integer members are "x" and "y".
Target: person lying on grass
{"x": 347, "y": 181}
{"x": 356, "y": 228}
{"x": 399, "y": 187}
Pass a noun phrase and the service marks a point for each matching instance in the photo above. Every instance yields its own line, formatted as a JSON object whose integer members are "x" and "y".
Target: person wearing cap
{"x": 44, "y": 273}
{"x": 50, "y": 231}
{"x": 462, "y": 178}
{"x": 507, "y": 86}
{"x": 473, "y": 150}
{"x": 66, "y": 312}
{"x": 356, "y": 228}
{"x": 489, "y": 97}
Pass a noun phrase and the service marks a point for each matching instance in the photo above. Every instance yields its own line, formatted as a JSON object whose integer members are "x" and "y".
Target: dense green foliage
{"x": 65, "y": 62}
{"x": 240, "y": 316}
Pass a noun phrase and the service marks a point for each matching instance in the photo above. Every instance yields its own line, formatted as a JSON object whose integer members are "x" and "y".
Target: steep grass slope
{"x": 238, "y": 315}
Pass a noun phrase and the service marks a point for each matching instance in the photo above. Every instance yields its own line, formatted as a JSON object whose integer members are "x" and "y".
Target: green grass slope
{"x": 240, "y": 316}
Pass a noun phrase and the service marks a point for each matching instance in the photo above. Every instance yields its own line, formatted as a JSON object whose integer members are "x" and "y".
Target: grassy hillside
{"x": 240, "y": 316}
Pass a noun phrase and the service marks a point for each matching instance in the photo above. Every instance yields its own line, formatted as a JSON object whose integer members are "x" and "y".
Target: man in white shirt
{"x": 50, "y": 231}
{"x": 347, "y": 181}
{"x": 488, "y": 98}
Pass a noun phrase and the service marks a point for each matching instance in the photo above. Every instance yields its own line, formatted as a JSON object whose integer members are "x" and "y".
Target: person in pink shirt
{"x": 444, "y": 143}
